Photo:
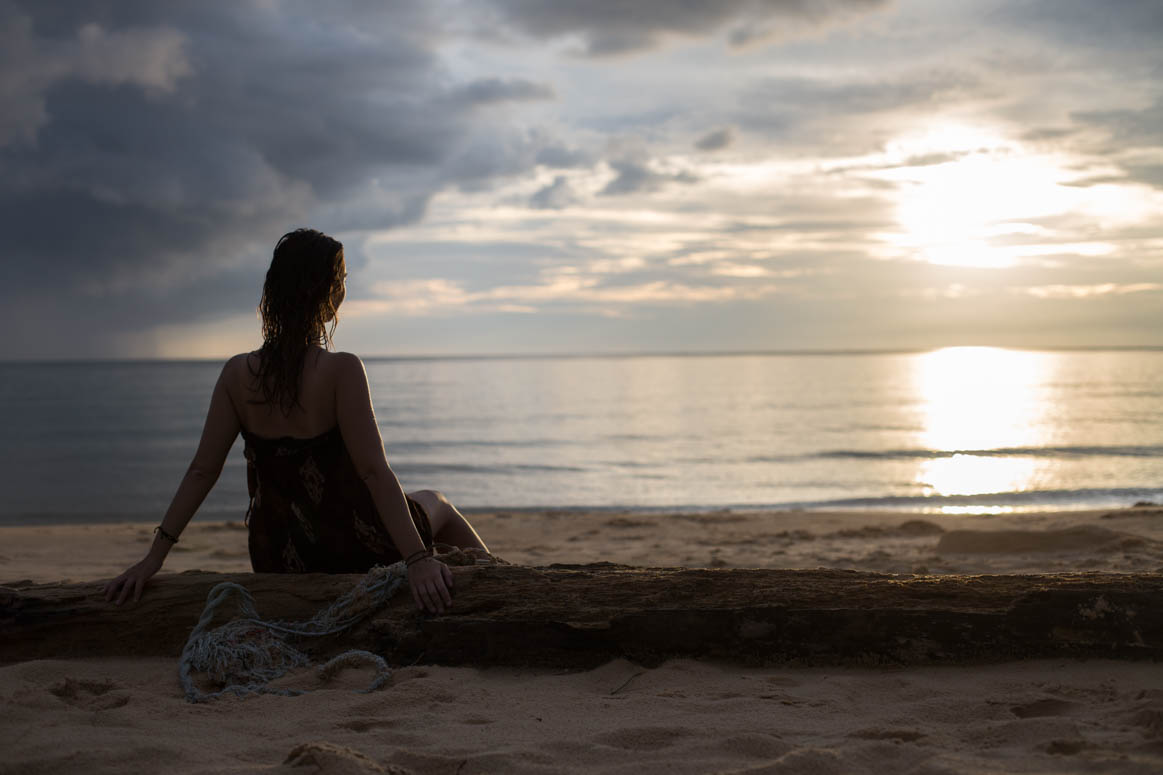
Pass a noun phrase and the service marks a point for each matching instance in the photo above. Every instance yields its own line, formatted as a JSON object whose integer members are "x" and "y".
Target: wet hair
{"x": 306, "y": 273}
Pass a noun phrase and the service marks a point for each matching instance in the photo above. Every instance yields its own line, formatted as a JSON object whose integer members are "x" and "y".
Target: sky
{"x": 540, "y": 176}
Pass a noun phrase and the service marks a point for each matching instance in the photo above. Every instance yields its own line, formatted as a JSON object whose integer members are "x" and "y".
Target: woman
{"x": 323, "y": 498}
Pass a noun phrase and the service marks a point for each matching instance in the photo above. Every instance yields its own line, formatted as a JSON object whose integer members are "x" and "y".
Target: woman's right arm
{"x": 429, "y": 579}
{"x": 218, "y": 434}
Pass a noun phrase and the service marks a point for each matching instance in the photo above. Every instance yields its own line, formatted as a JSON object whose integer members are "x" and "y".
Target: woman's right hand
{"x": 132, "y": 581}
{"x": 431, "y": 582}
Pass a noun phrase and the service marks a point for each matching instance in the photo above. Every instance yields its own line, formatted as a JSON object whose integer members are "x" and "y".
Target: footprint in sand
{"x": 331, "y": 759}
{"x": 366, "y": 725}
{"x": 624, "y": 522}
{"x": 1066, "y": 747}
{"x": 747, "y": 745}
{"x": 644, "y": 738}
{"x": 89, "y": 694}
{"x": 1148, "y": 717}
{"x": 895, "y": 735}
{"x": 1045, "y": 707}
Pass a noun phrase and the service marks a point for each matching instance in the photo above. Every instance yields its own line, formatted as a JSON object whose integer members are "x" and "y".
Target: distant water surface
{"x": 960, "y": 429}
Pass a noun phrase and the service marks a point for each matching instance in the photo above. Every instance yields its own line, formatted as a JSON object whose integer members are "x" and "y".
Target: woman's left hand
{"x": 431, "y": 581}
{"x": 133, "y": 580}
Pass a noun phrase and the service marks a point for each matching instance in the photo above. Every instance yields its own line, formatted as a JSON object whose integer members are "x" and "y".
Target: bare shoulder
{"x": 237, "y": 370}
{"x": 345, "y": 365}
{"x": 238, "y": 365}
{"x": 349, "y": 380}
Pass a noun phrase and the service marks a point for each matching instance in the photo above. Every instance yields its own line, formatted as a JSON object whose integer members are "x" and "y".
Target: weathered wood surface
{"x": 578, "y": 616}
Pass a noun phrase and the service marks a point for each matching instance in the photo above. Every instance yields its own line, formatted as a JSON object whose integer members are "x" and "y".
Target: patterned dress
{"x": 310, "y": 512}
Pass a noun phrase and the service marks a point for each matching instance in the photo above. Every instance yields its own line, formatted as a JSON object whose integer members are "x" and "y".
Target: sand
{"x": 121, "y": 715}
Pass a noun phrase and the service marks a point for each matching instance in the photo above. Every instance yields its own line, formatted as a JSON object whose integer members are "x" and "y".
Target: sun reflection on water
{"x": 982, "y": 406}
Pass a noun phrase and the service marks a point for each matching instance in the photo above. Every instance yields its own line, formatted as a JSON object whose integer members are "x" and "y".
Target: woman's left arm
{"x": 218, "y": 435}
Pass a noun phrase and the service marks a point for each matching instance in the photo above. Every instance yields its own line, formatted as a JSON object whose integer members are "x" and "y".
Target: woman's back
{"x": 316, "y": 413}
{"x": 309, "y": 510}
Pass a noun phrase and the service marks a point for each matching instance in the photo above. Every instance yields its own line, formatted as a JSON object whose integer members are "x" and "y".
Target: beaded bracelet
{"x": 417, "y": 556}
{"x": 165, "y": 535}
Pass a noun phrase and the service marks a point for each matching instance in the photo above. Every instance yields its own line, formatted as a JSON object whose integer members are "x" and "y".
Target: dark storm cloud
{"x": 490, "y": 90}
{"x": 716, "y": 140}
{"x": 614, "y": 27}
{"x": 150, "y": 148}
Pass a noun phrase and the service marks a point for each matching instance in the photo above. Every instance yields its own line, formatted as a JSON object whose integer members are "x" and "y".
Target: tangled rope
{"x": 247, "y": 653}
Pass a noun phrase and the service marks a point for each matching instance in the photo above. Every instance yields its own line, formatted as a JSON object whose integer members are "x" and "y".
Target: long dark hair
{"x": 297, "y": 303}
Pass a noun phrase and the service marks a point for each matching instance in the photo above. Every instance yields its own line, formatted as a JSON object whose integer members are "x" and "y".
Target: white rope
{"x": 247, "y": 653}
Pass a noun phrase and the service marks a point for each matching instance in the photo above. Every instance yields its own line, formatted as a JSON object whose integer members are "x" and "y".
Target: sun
{"x": 964, "y": 192}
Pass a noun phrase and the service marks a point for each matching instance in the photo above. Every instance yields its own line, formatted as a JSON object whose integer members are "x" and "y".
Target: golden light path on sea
{"x": 978, "y": 399}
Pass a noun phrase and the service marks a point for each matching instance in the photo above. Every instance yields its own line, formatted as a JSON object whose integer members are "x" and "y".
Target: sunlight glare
{"x": 978, "y": 400}
{"x": 961, "y": 187}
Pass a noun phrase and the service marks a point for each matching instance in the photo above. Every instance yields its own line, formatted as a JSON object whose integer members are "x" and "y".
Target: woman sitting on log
{"x": 323, "y": 498}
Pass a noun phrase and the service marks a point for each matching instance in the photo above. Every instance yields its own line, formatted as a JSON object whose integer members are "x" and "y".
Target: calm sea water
{"x": 962, "y": 429}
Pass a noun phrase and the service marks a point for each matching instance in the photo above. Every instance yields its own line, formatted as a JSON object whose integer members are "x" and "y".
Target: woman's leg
{"x": 448, "y": 525}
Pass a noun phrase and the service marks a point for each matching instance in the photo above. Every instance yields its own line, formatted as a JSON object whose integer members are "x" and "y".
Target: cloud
{"x": 554, "y": 196}
{"x": 716, "y": 140}
{"x": 151, "y": 153}
{"x": 633, "y": 177}
{"x": 486, "y": 91}
{"x": 437, "y": 295}
{"x": 609, "y": 27}
{"x": 483, "y": 159}
{"x": 729, "y": 269}
{"x": 1146, "y": 174}
{"x": 151, "y": 150}
{"x": 1131, "y": 142}
{"x": 776, "y": 98}
{"x": 845, "y": 116}
{"x": 152, "y": 58}
{"x": 1116, "y": 146}
{"x": 559, "y": 156}
{"x": 1089, "y": 291}
{"x": 1127, "y": 128}
{"x": 1114, "y": 27}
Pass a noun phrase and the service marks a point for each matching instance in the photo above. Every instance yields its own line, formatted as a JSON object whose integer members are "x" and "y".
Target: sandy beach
{"x": 117, "y": 715}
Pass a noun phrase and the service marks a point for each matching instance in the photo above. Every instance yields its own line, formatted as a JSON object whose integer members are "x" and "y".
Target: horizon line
{"x": 627, "y": 354}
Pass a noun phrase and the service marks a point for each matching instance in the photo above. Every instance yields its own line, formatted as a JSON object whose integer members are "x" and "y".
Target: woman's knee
{"x": 431, "y": 496}
{"x": 448, "y": 525}
{"x": 436, "y": 506}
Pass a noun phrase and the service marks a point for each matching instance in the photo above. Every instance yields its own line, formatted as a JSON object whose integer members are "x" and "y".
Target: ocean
{"x": 965, "y": 430}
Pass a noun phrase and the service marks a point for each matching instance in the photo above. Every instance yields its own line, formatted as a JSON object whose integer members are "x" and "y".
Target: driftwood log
{"x": 580, "y": 616}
